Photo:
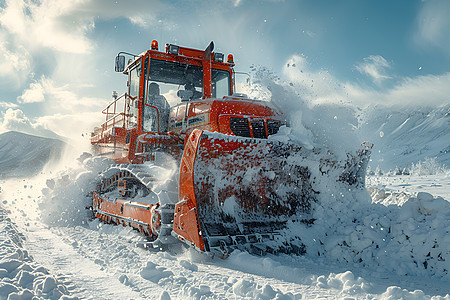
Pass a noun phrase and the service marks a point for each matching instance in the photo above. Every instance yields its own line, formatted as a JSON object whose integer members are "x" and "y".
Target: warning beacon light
{"x": 230, "y": 59}
{"x": 154, "y": 45}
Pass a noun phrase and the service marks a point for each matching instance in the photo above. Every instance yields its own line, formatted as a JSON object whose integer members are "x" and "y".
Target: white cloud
{"x": 16, "y": 120}
{"x": 46, "y": 24}
{"x": 237, "y": 3}
{"x": 63, "y": 25}
{"x": 434, "y": 25}
{"x": 35, "y": 93}
{"x": 16, "y": 59}
{"x": 69, "y": 125}
{"x": 130, "y": 9}
{"x": 15, "y": 63}
{"x": 140, "y": 21}
{"x": 8, "y": 105}
{"x": 375, "y": 66}
{"x": 428, "y": 90}
{"x": 142, "y": 13}
{"x": 322, "y": 87}
{"x": 422, "y": 90}
{"x": 52, "y": 37}
{"x": 60, "y": 98}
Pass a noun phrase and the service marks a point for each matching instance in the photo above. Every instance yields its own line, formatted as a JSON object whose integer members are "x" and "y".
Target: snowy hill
{"x": 406, "y": 135}
{"x": 25, "y": 155}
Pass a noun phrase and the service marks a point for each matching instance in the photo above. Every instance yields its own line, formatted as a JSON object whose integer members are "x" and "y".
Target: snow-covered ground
{"x": 54, "y": 251}
{"x": 437, "y": 185}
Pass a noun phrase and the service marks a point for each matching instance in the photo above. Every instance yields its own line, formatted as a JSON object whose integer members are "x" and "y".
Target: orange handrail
{"x": 113, "y": 118}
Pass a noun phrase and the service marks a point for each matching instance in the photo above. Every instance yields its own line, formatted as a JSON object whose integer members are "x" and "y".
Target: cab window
{"x": 135, "y": 74}
{"x": 220, "y": 80}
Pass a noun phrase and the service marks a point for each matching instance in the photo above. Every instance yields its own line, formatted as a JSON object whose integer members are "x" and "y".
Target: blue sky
{"x": 56, "y": 57}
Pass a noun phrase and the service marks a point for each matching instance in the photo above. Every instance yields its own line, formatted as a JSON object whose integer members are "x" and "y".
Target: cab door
{"x": 131, "y": 112}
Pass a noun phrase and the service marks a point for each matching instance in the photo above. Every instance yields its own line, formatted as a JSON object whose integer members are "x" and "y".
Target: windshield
{"x": 174, "y": 78}
{"x": 169, "y": 83}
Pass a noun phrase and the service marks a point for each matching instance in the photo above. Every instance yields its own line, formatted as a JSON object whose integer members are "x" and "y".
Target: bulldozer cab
{"x": 160, "y": 80}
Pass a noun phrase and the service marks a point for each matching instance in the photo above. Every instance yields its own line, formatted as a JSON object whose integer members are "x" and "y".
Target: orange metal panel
{"x": 186, "y": 223}
{"x": 120, "y": 209}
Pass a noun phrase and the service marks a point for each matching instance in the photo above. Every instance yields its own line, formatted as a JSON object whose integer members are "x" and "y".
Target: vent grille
{"x": 273, "y": 127}
{"x": 240, "y": 127}
{"x": 259, "y": 130}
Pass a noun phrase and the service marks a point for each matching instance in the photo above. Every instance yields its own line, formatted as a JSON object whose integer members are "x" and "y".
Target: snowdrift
{"x": 20, "y": 276}
{"x": 408, "y": 240}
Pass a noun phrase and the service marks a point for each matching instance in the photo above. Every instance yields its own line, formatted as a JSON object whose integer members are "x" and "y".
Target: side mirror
{"x": 120, "y": 63}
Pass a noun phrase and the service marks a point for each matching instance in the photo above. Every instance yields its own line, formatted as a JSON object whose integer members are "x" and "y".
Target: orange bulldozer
{"x": 200, "y": 164}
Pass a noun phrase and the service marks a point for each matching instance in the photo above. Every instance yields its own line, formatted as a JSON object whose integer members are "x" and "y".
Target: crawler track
{"x": 125, "y": 197}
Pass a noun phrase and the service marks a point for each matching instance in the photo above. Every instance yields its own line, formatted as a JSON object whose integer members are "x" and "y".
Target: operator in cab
{"x": 150, "y": 114}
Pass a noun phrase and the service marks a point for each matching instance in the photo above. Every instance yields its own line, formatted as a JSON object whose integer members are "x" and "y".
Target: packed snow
{"x": 389, "y": 241}
{"x": 20, "y": 276}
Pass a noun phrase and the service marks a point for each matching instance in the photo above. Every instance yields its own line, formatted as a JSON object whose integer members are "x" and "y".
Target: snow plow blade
{"x": 240, "y": 193}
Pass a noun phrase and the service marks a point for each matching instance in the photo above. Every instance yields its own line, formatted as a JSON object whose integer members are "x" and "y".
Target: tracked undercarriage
{"x": 126, "y": 195}
{"x": 245, "y": 191}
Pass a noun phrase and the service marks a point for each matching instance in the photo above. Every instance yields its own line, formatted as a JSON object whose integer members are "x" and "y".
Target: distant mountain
{"x": 406, "y": 135}
{"x": 23, "y": 155}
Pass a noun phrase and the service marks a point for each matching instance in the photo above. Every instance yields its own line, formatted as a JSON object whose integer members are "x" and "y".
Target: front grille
{"x": 240, "y": 127}
{"x": 273, "y": 126}
{"x": 259, "y": 129}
